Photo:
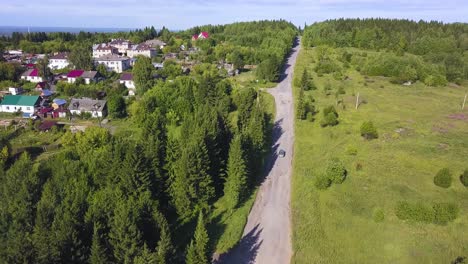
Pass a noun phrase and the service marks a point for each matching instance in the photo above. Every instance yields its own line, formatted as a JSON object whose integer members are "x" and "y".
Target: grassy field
{"x": 248, "y": 79}
{"x": 419, "y": 133}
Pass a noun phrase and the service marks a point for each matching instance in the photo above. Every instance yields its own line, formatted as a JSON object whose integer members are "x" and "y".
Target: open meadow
{"x": 421, "y": 130}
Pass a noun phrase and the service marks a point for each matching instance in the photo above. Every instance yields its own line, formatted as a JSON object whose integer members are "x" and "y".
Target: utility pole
{"x": 357, "y": 101}
{"x": 464, "y": 101}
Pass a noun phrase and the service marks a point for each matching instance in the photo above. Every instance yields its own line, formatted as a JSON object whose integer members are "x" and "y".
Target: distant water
{"x": 8, "y": 30}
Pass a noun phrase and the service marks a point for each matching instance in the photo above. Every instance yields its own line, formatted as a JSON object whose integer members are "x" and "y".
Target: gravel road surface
{"x": 267, "y": 234}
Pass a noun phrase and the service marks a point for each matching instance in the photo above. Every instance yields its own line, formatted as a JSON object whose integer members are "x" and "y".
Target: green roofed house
{"x": 23, "y": 103}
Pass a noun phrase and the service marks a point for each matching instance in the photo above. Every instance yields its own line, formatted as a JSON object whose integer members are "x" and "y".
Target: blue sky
{"x": 181, "y": 14}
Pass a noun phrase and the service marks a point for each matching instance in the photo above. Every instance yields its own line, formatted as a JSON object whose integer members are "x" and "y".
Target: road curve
{"x": 267, "y": 234}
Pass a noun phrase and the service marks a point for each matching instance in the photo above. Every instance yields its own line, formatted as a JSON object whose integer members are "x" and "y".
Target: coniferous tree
{"x": 197, "y": 252}
{"x": 98, "y": 252}
{"x": 143, "y": 74}
{"x": 125, "y": 237}
{"x": 236, "y": 174}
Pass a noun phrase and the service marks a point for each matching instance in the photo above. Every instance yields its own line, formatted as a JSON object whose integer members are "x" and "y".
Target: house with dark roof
{"x": 41, "y": 86}
{"x": 88, "y": 76}
{"x": 103, "y": 49}
{"x": 127, "y": 80}
{"x": 23, "y": 103}
{"x": 32, "y": 75}
{"x": 156, "y": 43}
{"x": 59, "y": 61}
{"x": 122, "y": 45}
{"x": 97, "y": 108}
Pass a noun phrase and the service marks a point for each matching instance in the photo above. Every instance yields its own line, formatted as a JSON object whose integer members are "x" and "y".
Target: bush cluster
{"x": 335, "y": 173}
{"x": 330, "y": 117}
{"x": 443, "y": 178}
{"x": 464, "y": 178}
{"x": 368, "y": 130}
{"x": 438, "y": 213}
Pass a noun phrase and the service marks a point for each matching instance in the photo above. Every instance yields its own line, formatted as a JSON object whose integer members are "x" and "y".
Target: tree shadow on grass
{"x": 245, "y": 252}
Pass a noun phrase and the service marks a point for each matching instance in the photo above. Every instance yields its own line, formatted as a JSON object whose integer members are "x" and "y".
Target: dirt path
{"x": 267, "y": 234}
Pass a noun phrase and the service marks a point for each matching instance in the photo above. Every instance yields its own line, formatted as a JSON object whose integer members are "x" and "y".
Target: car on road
{"x": 281, "y": 153}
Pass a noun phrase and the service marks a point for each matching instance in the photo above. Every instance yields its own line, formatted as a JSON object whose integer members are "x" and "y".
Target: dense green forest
{"x": 143, "y": 196}
{"x": 432, "y": 52}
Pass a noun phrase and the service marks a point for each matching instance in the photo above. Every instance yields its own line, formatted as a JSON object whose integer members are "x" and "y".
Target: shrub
{"x": 358, "y": 166}
{"x": 439, "y": 213}
{"x": 368, "y": 130}
{"x": 310, "y": 117}
{"x": 350, "y": 150}
{"x": 330, "y": 116}
{"x": 379, "y": 215}
{"x": 336, "y": 171}
{"x": 464, "y": 178}
{"x": 443, "y": 178}
{"x": 414, "y": 212}
{"x": 444, "y": 213}
{"x": 322, "y": 182}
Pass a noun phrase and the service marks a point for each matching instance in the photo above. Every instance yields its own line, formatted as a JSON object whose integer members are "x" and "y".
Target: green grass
{"x": 248, "y": 79}
{"x": 337, "y": 225}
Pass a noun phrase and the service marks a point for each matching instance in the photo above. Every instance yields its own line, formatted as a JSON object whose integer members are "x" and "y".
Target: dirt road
{"x": 267, "y": 234}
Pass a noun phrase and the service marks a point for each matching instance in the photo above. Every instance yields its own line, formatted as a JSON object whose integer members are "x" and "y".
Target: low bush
{"x": 438, "y": 213}
{"x": 322, "y": 182}
{"x": 336, "y": 171}
{"x": 330, "y": 117}
{"x": 464, "y": 178}
{"x": 443, "y": 178}
{"x": 368, "y": 130}
{"x": 378, "y": 215}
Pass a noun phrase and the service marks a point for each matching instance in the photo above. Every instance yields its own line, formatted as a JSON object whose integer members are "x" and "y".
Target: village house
{"x": 88, "y": 76}
{"x": 114, "y": 62}
{"x": 121, "y": 45}
{"x": 97, "y": 108}
{"x": 59, "y": 61}
{"x": 156, "y": 43}
{"x": 100, "y": 50}
{"x": 202, "y": 35}
{"x": 16, "y": 103}
{"x": 127, "y": 80}
{"x": 142, "y": 49}
{"x": 41, "y": 86}
{"x": 32, "y": 75}
{"x": 15, "y": 91}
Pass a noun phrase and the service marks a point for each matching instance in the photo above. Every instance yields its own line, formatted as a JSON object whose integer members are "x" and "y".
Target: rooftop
{"x": 31, "y": 72}
{"x": 89, "y": 74}
{"x": 26, "y": 100}
{"x": 87, "y": 104}
{"x": 126, "y": 77}
{"x": 60, "y": 56}
{"x": 75, "y": 73}
{"x": 112, "y": 57}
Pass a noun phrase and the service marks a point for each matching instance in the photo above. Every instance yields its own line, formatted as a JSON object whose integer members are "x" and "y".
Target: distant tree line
{"x": 438, "y": 47}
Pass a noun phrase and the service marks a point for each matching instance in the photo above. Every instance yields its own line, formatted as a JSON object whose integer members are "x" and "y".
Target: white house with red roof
{"x": 202, "y": 35}
{"x": 59, "y": 61}
{"x": 88, "y": 76}
{"x": 32, "y": 75}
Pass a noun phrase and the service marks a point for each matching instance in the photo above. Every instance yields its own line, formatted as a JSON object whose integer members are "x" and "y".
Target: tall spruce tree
{"x": 236, "y": 174}
{"x": 197, "y": 251}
